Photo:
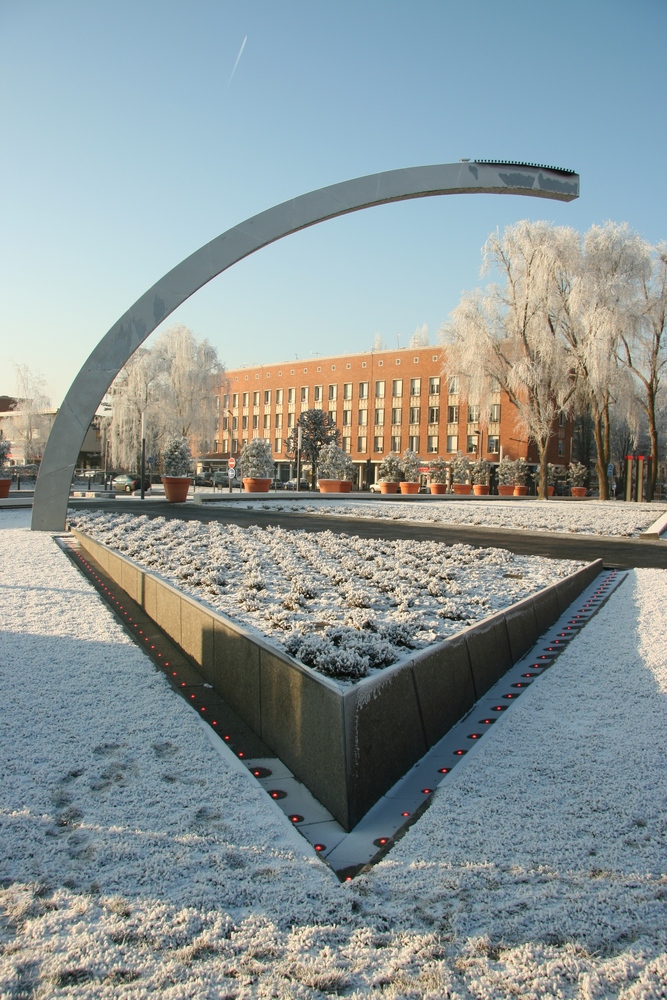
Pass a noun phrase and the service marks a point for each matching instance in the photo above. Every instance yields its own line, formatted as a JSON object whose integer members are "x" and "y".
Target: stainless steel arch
{"x": 126, "y": 335}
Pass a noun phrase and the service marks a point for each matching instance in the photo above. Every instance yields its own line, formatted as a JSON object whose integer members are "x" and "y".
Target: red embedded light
{"x": 444, "y": 770}
{"x": 192, "y": 696}
{"x": 182, "y": 682}
{"x": 296, "y": 818}
{"x": 241, "y": 753}
{"x": 226, "y": 737}
{"x": 487, "y": 722}
{"x": 459, "y": 753}
{"x": 152, "y": 647}
{"x": 320, "y": 847}
{"x": 405, "y": 814}
{"x": 510, "y": 696}
{"x": 427, "y": 791}
{"x": 166, "y": 664}
{"x": 474, "y": 736}
{"x": 499, "y": 708}
{"x": 214, "y": 723}
{"x": 381, "y": 841}
{"x": 202, "y": 709}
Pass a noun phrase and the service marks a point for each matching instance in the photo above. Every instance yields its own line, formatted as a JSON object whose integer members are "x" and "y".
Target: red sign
{"x": 231, "y": 463}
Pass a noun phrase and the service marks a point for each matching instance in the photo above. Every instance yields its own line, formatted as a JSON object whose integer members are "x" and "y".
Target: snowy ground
{"x": 139, "y": 858}
{"x": 342, "y": 604}
{"x": 591, "y": 517}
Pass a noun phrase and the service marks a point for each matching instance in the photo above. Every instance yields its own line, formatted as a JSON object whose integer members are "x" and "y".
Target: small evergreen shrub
{"x": 176, "y": 457}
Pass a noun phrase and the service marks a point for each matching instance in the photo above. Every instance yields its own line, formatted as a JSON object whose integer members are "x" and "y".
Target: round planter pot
{"x": 388, "y": 487}
{"x": 345, "y": 485}
{"x": 505, "y": 491}
{"x": 409, "y": 487}
{"x": 176, "y": 488}
{"x": 520, "y": 491}
{"x": 329, "y": 485}
{"x": 438, "y": 489}
{"x": 578, "y": 491}
{"x": 461, "y": 489}
{"x": 481, "y": 489}
{"x": 253, "y": 485}
{"x": 4, "y": 487}
{"x": 550, "y": 490}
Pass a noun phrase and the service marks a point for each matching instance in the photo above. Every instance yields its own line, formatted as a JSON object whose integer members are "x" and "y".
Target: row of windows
{"x": 318, "y": 390}
{"x": 379, "y": 417}
{"x": 393, "y": 444}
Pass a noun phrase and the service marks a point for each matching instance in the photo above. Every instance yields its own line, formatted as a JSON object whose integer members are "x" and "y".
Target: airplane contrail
{"x": 238, "y": 59}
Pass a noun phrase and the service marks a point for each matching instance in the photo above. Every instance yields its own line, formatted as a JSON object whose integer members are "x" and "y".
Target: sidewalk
{"x": 139, "y": 856}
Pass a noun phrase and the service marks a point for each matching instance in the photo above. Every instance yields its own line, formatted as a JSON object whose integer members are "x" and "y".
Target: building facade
{"x": 381, "y": 401}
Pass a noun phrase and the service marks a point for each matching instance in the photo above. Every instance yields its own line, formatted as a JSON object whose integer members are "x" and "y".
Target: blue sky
{"x": 126, "y": 146}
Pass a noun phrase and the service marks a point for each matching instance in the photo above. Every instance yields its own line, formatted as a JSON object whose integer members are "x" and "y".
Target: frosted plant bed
{"x": 413, "y": 633}
{"x": 344, "y": 605}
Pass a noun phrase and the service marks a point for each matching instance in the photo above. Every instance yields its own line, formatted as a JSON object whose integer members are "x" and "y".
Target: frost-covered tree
{"x": 509, "y": 335}
{"x": 137, "y": 389}
{"x": 30, "y": 424}
{"x": 420, "y": 337}
{"x": 318, "y": 429}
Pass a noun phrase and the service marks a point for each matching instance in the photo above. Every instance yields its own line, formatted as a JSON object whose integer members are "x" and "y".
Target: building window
{"x": 279, "y": 421}
{"x": 473, "y": 413}
{"x": 246, "y": 398}
{"x": 378, "y": 445}
{"x": 244, "y": 423}
{"x": 432, "y": 444}
{"x": 434, "y": 385}
{"x": 494, "y": 413}
{"x": 291, "y": 395}
{"x": 235, "y": 423}
{"x": 471, "y": 444}
{"x": 398, "y": 361}
{"x": 290, "y": 420}
{"x": 267, "y": 421}
{"x": 494, "y": 444}
{"x": 561, "y": 447}
{"x": 346, "y": 445}
{"x": 363, "y": 364}
{"x": 561, "y": 417}
{"x": 225, "y": 446}
{"x": 413, "y": 443}
{"x": 347, "y": 418}
{"x": 255, "y": 421}
{"x": 453, "y": 385}
{"x": 225, "y": 401}
{"x": 279, "y": 397}
{"x": 348, "y": 366}
{"x": 452, "y": 442}
{"x": 361, "y": 444}
{"x": 379, "y": 418}
{"x": 318, "y": 393}
{"x": 396, "y": 415}
{"x": 333, "y": 392}
{"x": 304, "y": 393}
{"x": 415, "y": 386}
{"x": 363, "y": 418}
{"x": 363, "y": 390}
{"x": 396, "y": 442}
{"x": 380, "y": 364}
{"x": 235, "y": 400}
{"x": 215, "y": 447}
{"x": 347, "y": 390}
{"x": 379, "y": 390}
{"x": 433, "y": 414}
{"x": 267, "y": 397}
{"x": 415, "y": 414}
{"x": 255, "y": 399}
{"x": 235, "y": 445}
{"x": 452, "y": 414}
{"x": 277, "y": 445}
{"x": 397, "y": 387}
{"x": 225, "y": 423}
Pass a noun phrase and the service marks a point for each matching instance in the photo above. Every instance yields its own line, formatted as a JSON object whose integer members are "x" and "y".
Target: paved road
{"x": 625, "y": 553}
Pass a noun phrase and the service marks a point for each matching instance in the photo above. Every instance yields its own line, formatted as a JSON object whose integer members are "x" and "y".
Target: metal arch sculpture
{"x": 131, "y": 330}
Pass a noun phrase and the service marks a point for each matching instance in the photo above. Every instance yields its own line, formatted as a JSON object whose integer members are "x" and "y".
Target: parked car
{"x": 375, "y": 488}
{"x": 221, "y": 480}
{"x": 203, "y": 479}
{"x": 129, "y": 482}
{"x": 291, "y": 484}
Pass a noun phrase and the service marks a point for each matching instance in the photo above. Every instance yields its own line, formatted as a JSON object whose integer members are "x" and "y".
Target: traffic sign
{"x": 231, "y": 463}
{"x": 231, "y": 473}
{"x": 610, "y": 469}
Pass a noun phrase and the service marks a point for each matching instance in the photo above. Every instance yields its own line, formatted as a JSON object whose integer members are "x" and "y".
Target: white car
{"x": 375, "y": 488}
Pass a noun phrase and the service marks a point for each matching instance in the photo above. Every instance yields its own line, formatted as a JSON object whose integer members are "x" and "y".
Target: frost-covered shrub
{"x": 342, "y": 652}
{"x": 506, "y": 472}
{"x": 410, "y": 466}
{"x": 437, "y": 470}
{"x": 390, "y": 469}
{"x": 479, "y": 472}
{"x": 331, "y": 462}
{"x": 554, "y": 473}
{"x": 460, "y": 467}
{"x": 257, "y": 460}
{"x": 5, "y": 448}
{"x": 576, "y": 474}
{"x": 176, "y": 457}
{"x": 520, "y": 472}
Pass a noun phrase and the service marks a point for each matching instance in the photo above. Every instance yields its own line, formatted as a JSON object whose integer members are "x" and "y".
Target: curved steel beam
{"x": 119, "y": 344}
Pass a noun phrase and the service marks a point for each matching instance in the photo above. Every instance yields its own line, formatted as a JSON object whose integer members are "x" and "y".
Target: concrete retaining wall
{"x": 348, "y": 745}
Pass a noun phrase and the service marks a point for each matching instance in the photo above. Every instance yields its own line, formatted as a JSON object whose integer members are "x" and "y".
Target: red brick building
{"x": 381, "y": 401}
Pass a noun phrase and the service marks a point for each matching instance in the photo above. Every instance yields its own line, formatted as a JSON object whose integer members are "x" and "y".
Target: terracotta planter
{"x": 520, "y": 491}
{"x": 438, "y": 489}
{"x": 461, "y": 489}
{"x": 345, "y": 485}
{"x": 578, "y": 491}
{"x": 505, "y": 491}
{"x": 252, "y": 485}
{"x": 409, "y": 487}
{"x": 388, "y": 487}
{"x": 329, "y": 485}
{"x": 176, "y": 488}
{"x": 481, "y": 489}
{"x": 4, "y": 487}
{"x": 550, "y": 490}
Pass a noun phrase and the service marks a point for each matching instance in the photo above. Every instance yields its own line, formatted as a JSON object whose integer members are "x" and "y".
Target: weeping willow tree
{"x": 171, "y": 385}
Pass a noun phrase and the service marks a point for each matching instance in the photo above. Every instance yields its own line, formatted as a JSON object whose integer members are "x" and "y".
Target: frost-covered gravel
{"x": 343, "y": 604}
{"x": 592, "y": 517}
{"x": 139, "y": 859}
